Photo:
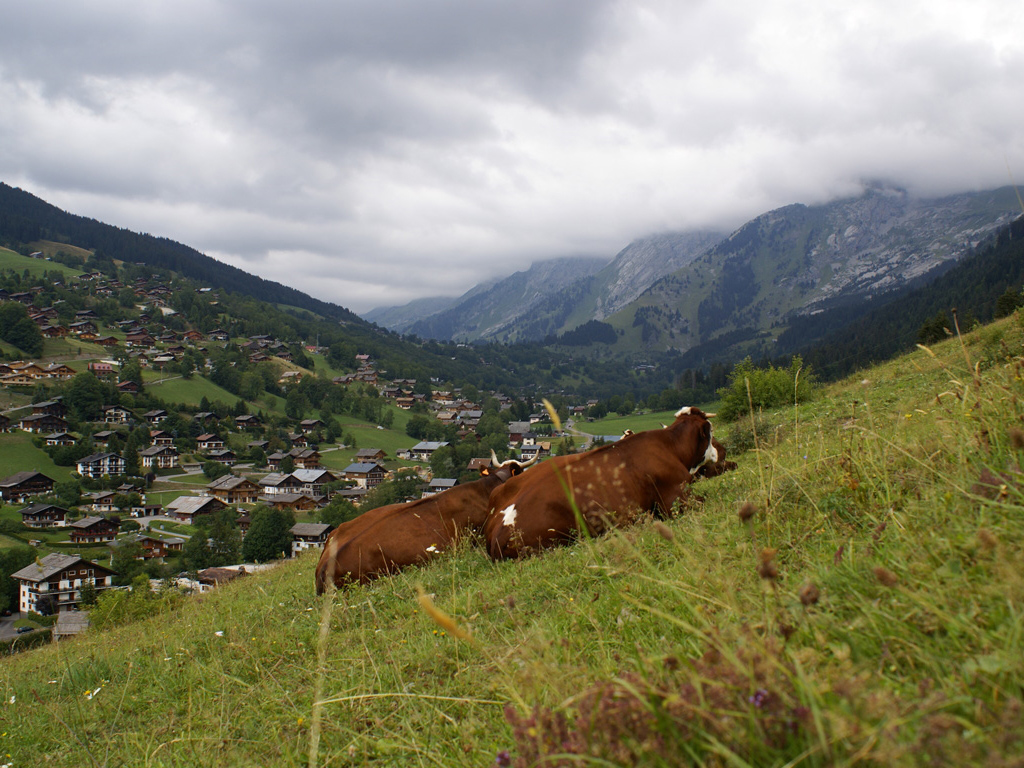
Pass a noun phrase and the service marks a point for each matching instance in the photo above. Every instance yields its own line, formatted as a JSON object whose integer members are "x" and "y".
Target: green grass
{"x": 15, "y": 261}
{"x": 190, "y": 391}
{"x": 870, "y": 611}
{"x": 17, "y": 453}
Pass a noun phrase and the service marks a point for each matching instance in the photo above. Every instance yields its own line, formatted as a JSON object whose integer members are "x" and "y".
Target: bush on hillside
{"x": 769, "y": 387}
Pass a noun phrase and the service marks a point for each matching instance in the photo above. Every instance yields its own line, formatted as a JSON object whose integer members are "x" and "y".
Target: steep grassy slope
{"x": 868, "y": 610}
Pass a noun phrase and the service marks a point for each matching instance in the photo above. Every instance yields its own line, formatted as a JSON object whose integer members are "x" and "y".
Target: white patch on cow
{"x": 508, "y": 515}
{"x": 710, "y": 457}
{"x": 684, "y": 411}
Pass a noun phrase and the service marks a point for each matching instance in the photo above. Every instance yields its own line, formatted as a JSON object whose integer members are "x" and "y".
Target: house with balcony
{"x": 234, "y": 490}
{"x": 44, "y": 516}
{"x": 53, "y": 584}
{"x": 159, "y": 457}
{"x": 366, "y": 474}
{"x": 93, "y": 529}
{"x": 100, "y": 464}
{"x": 308, "y": 536}
{"x": 22, "y": 485}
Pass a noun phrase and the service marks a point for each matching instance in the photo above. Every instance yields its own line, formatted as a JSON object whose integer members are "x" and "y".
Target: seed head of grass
{"x": 747, "y": 511}
{"x": 885, "y": 577}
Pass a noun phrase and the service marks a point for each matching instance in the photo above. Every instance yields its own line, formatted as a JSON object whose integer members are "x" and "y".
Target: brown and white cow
{"x": 600, "y": 489}
{"x": 386, "y": 539}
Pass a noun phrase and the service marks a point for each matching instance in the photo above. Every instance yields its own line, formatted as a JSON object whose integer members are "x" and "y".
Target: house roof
{"x": 51, "y": 565}
{"x": 192, "y": 505}
{"x": 156, "y": 450}
{"x": 277, "y": 478}
{"x": 312, "y": 475}
{"x": 227, "y": 482}
{"x": 89, "y": 522}
{"x": 361, "y": 467}
{"x": 312, "y": 530}
{"x": 35, "y": 509}
{"x": 428, "y": 445}
{"x": 22, "y": 477}
{"x": 97, "y": 457}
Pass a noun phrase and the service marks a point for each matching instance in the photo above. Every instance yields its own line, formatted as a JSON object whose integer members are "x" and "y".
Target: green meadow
{"x": 852, "y": 594}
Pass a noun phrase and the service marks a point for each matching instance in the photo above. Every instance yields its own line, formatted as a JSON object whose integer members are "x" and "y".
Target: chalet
{"x": 517, "y": 431}
{"x": 310, "y": 425}
{"x": 101, "y": 370}
{"x": 298, "y": 440}
{"x": 17, "y": 379}
{"x": 274, "y": 460}
{"x": 371, "y": 454}
{"x": 101, "y": 501}
{"x": 106, "y": 341}
{"x": 139, "y": 339}
{"x": 92, "y": 529}
{"x": 193, "y": 336}
{"x": 153, "y": 547}
{"x": 116, "y": 414}
{"x": 314, "y": 481}
{"x": 5, "y": 423}
{"x": 60, "y": 438}
{"x": 44, "y": 516}
{"x": 305, "y": 458}
{"x": 309, "y": 536}
{"x": 205, "y": 417}
{"x": 104, "y": 436}
{"x": 224, "y": 455}
{"x": 534, "y": 450}
{"x": 82, "y": 326}
{"x": 60, "y": 371}
{"x": 155, "y": 416}
{"x": 54, "y": 331}
{"x": 234, "y": 490}
{"x": 22, "y": 485}
{"x": 279, "y": 482}
{"x": 53, "y": 584}
{"x": 209, "y": 442}
{"x": 185, "y": 509}
{"x": 248, "y": 421}
{"x": 100, "y": 464}
{"x": 147, "y": 510}
{"x": 43, "y": 423}
{"x": 159, "y": 456}
{"x": 365, "y": 474}
{"x": 297, "y": 502}
{"x": 131, "y": 387}
{"x": 424, "y": 450}
{"x": 86, "y": 314}
{"x": 440, "y": 485}
{"x": 160, "y": 437}
{"x": 219, "y": 335}
{"x": 405, "y": 403}
{"x": 263, "y": 445}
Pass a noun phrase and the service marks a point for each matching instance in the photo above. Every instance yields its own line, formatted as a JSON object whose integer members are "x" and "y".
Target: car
{"x": 23, "y": 630}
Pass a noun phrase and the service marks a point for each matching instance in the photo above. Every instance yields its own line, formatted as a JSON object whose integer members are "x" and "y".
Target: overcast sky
{"x": 373, "y": 152}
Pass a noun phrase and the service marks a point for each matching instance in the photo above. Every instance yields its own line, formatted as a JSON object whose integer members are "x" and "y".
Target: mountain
{"x": 552, "y": 296}
{"x": 488, "y": 310}
{"x": 399, "y": 318}
{"x": 800, "y": 260}
{"x": 25, "y": 218}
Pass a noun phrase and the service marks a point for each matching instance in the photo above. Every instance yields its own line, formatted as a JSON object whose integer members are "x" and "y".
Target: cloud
{"x": 370, "y": 153}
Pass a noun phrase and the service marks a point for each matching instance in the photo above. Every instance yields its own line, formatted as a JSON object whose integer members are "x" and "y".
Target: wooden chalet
{"x": 365, "y": 474}
{"x": 92, "y": 529}
{"x": 234, "y": 490}
{"x": 309, "y": 536}
{"x": 185, "y": 509}
{"x": 159, "y": 456}
{"x": 23, "y": 485}
{"x": 44, "y": 516}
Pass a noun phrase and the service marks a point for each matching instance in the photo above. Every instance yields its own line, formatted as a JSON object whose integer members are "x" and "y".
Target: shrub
{"x": 770, "y": 387}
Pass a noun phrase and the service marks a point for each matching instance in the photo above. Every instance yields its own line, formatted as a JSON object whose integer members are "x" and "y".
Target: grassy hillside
{"x": 869, "y": 610}
{"x": 18, "y": 454}
{"x": 12, "y": 260}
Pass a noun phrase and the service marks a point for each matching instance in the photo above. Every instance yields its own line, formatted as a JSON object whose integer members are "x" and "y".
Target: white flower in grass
{"x": 219, "y": 633}
{"x": 433, "y": 548}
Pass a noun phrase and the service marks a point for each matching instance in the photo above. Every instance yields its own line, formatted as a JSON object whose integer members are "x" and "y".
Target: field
{"x": 852, "y": 594}
{"x": 15, "y": 261}
{"x": 17, "y": 453}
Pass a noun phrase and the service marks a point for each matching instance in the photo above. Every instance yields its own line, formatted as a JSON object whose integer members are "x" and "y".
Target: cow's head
{"x": 706, "y": 452}
{"x": 509, "y": 468}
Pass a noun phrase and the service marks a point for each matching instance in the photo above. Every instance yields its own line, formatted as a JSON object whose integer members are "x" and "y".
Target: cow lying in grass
{"x": 600, "y": 489}
{"x": 389, "y": 538}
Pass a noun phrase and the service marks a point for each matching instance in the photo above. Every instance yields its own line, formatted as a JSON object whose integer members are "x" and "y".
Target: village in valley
{"x": 151, "y": 439}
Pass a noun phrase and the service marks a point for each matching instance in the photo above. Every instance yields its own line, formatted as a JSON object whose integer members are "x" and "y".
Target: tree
{"x": 339, "y": 510}
{"x": 1008, "y": 303}
{"x": 17, "y": 328}
{"x": 269, "y": 536}
{"x": 127, "y": 561}
{"x": 11, "y": 560}
{"x": 287, "y": 465}
{"x": 215, "y": 469}
{"x": 88, "y": 593}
